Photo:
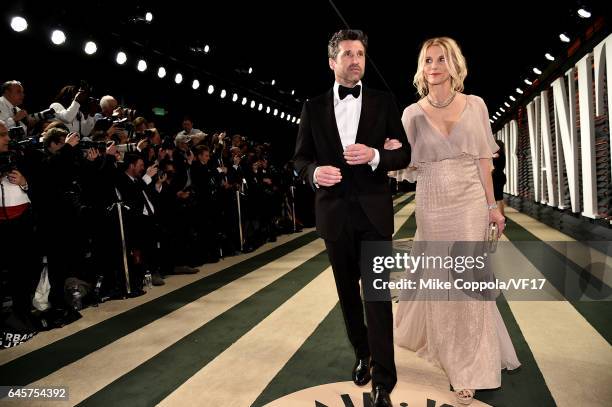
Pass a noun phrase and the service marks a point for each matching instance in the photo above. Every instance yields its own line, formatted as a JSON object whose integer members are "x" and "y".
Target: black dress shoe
{"x": 361, "y": 372}
{"x": 380, "y": 397}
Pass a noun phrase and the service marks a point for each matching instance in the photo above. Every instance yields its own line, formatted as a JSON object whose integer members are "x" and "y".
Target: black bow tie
{"x": 343, "y": 91}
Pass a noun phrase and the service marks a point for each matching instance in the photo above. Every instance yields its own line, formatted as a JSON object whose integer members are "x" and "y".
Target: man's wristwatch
{"x": 492, "y": 206}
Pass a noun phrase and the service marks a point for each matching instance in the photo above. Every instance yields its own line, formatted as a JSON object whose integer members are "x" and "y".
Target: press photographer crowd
{"x": 98, "y": 204}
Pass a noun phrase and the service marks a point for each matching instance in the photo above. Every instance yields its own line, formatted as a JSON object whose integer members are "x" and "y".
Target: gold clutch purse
{"x": 492, "y": 237}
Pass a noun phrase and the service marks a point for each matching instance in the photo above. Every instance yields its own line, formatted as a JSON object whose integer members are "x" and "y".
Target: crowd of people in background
{"x": 98, "y": 203}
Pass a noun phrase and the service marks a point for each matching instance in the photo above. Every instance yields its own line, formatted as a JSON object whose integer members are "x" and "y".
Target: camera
{"x": 84, "y": 86}
{"x": 125, "y": 113}
{"x": 146, "y": 134}
{"x": 8, "y": 162}
{"x": 17, "y": 133}
{"x": 167, "y": 143}
{"x": 86, "y": 145}
{"x": 44, "y": 115}
{"x": 124, "y": 124}
{"x": 126, "y": 148}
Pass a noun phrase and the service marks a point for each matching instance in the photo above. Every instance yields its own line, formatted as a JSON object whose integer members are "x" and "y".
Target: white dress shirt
{"x": 73, "y": 119}
{"x": 7, "y": 111}
{"x": 348, "y": 112}
{"x": 13, "y": 194}
{"x": 193, "y": 132}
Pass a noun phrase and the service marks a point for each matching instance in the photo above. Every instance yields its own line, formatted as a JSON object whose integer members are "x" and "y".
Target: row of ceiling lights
{"x": 582, "y": 13}
{"x": 58, "y": 37}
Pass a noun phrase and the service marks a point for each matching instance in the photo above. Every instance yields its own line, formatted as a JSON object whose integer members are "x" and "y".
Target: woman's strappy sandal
{"x": 465, "y": 396}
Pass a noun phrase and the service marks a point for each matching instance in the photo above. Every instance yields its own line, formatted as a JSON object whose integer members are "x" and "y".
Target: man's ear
{"x": 332, "y": 64}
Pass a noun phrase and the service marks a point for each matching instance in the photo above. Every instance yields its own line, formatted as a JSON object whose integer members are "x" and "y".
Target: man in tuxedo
{"x": 142, "y": 235}
{"x": 340, "y": 150}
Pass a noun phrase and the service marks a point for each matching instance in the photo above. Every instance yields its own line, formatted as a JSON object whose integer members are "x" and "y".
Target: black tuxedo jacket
{"x": 131, "y": 194}
{"x": 318, "y": 143}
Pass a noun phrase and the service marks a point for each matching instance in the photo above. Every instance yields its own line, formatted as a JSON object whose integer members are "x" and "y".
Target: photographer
{"x": 10, "y": 112}
{"x": 56, "y": 193}
{"x": 141, "y": 196}
{"x": 110, "y": 120}
{"x": 108, "y": 104}
{"x": 205, "y": 182}
{"x": 269, "y": 180}
{"x": 76, "y": 117}
{"x": 19, "y": 256}
{"x": 176, "y": 210}
{"x": 188, "y": 129}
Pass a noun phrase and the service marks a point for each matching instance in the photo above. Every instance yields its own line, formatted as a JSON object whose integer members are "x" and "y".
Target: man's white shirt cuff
{"x": 375, "y": 161}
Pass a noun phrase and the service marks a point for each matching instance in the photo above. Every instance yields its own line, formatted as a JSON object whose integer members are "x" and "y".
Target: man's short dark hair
{"x": 7, "y": 85}
{"x": 131, "y": 158}
{"x": 345, "y": 35}
{"x": 187, "y": 118}
{"x": 54, "y": 135}
{"x": 200, "y": 149}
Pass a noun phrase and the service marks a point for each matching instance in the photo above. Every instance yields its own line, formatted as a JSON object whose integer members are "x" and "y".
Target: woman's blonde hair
{"x": 454, "y": 59}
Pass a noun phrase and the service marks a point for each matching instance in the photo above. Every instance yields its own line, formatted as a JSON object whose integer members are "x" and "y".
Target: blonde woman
{"x": 452, "y": 146}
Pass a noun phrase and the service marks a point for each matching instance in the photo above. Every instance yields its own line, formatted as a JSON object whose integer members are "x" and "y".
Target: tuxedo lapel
{"x": 366, "y": 118}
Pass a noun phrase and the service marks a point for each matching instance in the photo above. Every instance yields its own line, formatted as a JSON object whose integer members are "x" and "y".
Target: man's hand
{"x": 392, "y": 144}
{"x": 112, "y": 130}
{"x": 152, "y": 170}
{"x": 111, "y": 148}
{"x": 92, "y": 154}
{"x": 189, "y": 156}
{"x": 356, "y": 154}
{"x": 142, "y": 144}
{"x": 328, "y": 176}
{"x": 73, "y": 139}
{"x": 183, "y": 194}
{"x": 81, "y": 97}
{"x": 17, "y": 178}
{"x": 20, "y": 115}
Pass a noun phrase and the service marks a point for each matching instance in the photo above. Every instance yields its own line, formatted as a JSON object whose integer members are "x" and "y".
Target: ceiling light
{"x": 584, "y": 13}
{"x": 58, "y": 37}
{"x": 90, "y": 48}
{"x": 142, "y": 65}
{"x": 19, "y": 24}
{"x": 121, "y": 58}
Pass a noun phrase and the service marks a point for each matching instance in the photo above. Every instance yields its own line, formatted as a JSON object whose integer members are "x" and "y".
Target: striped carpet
{"x": 255, "y": 328}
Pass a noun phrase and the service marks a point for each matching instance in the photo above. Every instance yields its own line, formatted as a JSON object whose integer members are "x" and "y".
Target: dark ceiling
{"x": 286, "y": 41}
